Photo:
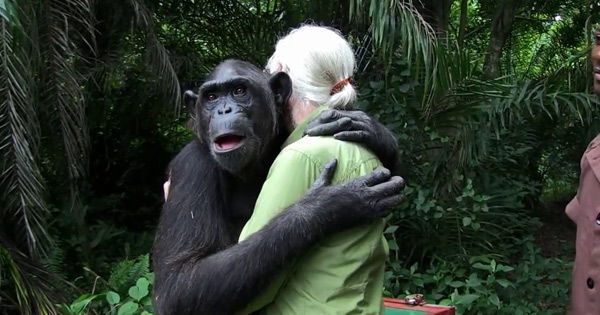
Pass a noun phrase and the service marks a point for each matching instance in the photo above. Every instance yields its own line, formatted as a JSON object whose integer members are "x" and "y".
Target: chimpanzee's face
{"x": 239, "y": 108}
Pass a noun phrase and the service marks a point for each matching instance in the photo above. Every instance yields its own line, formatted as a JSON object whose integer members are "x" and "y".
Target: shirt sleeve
{"x": 289, "y": 178}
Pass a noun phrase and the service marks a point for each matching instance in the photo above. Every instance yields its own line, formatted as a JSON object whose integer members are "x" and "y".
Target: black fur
{"x": 199, "y": 268}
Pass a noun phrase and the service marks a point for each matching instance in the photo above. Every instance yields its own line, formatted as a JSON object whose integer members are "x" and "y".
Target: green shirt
{"x": 342, "y": 274}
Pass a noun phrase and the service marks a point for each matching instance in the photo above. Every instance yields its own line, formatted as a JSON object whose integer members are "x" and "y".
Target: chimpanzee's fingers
{"x": 355, "y": 115}
{"x": 360, "y": 125}
{"x": 352, "y": 136}
{"x": 378, "y": 175}
{"x": 328, "y": 115}
{"x": 324, "y": 117}
{"x": 330, "y": 128}
{"x": 326, "y": 174}
{"x": 387, "y": 204}
{"x": 391, "y": 187}
{"x": 358, "y": 131}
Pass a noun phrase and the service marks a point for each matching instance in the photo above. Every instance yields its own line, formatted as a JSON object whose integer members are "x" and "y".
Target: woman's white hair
{"x": 317, "y": 59}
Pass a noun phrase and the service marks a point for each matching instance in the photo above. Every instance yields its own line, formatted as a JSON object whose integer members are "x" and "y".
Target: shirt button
{"x": 590, "y": 283}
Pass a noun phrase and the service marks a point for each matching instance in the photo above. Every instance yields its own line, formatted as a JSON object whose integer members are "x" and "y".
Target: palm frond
{"x": 21, "y": 180}
{"x": 61, "y": 91}
{"x": 158, "y": 58}
{"x": 572, "y": 73}
{"x": 475, "y": 114}
{"x": 3, "y": 11}
{"x": 250, "y": 36}
{"x": 477, "y": 111}
{"x": 158, "y": 55}
{"x": 398, "y": 19}
{"x": 399, "y": 31}
{"x": 33, "y": 293}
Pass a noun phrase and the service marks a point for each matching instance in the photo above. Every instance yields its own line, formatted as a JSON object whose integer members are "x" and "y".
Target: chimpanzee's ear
{"x": 190, "y": 98}
{"x": 281, "y": 85}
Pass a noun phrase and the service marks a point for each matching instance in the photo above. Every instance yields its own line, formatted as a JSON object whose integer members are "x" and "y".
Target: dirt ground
{"x": 557, "y": 235}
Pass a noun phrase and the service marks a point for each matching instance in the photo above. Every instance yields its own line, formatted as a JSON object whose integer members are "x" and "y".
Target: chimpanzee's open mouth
{"x": 228, "y": 142}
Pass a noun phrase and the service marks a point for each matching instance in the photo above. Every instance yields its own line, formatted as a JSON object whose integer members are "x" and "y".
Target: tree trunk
{"x": 501, "y": 27}
{"x": 442, "y": 14}
{"x": 588, "y": 28}
{"x": 464, "y": 7}
{"x": 437, "y": 14}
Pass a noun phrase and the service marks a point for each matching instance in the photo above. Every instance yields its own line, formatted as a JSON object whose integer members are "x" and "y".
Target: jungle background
{"x": 490, "y": 100}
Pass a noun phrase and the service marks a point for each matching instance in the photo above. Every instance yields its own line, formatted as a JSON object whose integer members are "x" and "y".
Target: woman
{"x": 584, "y": 210}
{"x": 344, "y": 273}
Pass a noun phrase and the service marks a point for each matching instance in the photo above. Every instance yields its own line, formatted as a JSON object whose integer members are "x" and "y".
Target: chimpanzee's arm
{"x": 192, "y": 223}
{"x": 356, "y": 126}
{"x": 228, "y": 280}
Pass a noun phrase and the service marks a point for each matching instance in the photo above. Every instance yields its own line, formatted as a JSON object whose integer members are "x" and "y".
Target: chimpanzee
{"x": 216, "y": 179}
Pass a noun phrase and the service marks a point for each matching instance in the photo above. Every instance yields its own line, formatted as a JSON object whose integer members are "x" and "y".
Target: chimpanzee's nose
{"x": 225, "y": 110}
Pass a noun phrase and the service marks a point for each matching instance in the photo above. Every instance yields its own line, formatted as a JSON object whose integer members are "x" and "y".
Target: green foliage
{"x": 481, "y": 285}
{"x": 128, "y": 292}
{"x": 127, "y": 271}
{"x": 470, "y": 153}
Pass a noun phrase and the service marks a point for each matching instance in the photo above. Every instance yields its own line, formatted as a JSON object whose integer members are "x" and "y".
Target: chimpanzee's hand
{"x": 356, "y": 126}
{"x": 354, "y": 202}
{"x": 371, "y": 196}
{"x": 353, "y": 126}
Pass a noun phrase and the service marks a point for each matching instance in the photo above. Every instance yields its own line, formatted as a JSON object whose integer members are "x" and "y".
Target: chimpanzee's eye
{"x": 211, "y": 97}
{"x": 240, "y": 90}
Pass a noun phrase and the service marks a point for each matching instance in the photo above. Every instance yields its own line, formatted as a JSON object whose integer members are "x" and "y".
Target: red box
{"x": 399, "y": 307}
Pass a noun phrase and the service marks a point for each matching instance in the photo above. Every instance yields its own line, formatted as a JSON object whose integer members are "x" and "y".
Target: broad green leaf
{"x": 146, "y": 301}
{"x": 505, "y": 268}
{"x": 128, "y": 308}
{"x": 138, "y": 293}
{"x": 414, "y": 268}
{"x": 467, "y": 299}
{"x": 418, "y": 282}
{"x": 445, "y": 302}
{"x": 481, "y": 266}
{"x": 495, "y": 300}
{"x": 504, "y": 283}
{"x": 113, "y": 298}
{"x": 150, "y": 277}
{"x": 83, "y": 302}
{"x": 466, "y": 221}
{"x": 143, "y": 283}
{"x": 391, "y": 229}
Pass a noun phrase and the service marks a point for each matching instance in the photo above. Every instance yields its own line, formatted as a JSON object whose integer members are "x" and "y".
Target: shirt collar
{"x": 298, "y": 132}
